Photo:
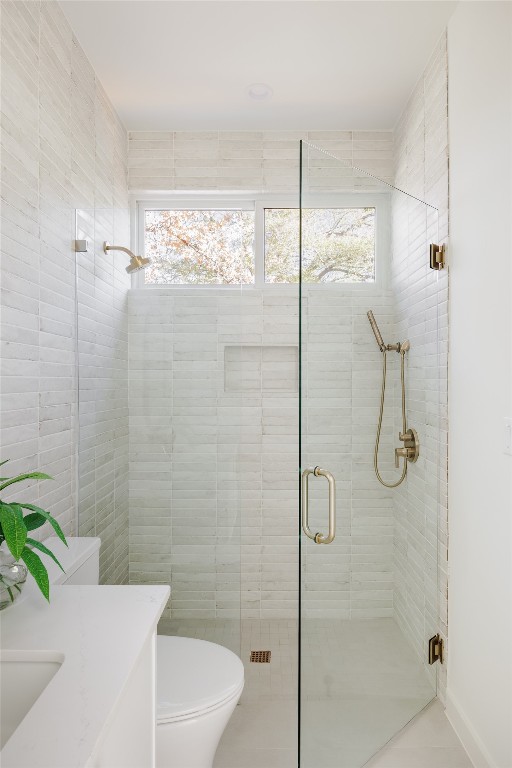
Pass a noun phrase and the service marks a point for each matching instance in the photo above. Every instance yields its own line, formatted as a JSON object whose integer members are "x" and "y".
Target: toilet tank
{"x": 80, "y": 560}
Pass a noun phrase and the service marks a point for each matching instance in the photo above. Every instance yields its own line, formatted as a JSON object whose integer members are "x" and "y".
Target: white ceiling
{"x": 185, "y": 65}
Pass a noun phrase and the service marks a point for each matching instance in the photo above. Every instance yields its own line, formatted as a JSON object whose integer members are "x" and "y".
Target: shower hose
{"x": 404, "y": 418}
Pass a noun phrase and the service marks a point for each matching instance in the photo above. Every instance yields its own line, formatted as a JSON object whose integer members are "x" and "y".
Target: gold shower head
{"x": 136, "y": 262}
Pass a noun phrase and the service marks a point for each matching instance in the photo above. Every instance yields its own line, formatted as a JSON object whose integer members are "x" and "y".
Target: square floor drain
{"x": 261, "y": 657}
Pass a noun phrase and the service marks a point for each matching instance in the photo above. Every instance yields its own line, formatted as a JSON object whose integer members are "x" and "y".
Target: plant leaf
{"x": 1, "y": 465}
{"x": 28, "y": 476}
{"x": 41, "y": 547}
{"x": 33, "y": 521}
{"x": 13, "y": 528}
{"x": 54, "y": 524}
{"x": 38, "y": 571}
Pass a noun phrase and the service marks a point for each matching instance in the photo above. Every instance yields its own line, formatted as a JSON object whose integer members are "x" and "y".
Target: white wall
{"x": 480, "y": 499}
{"x": 62, "y": 148}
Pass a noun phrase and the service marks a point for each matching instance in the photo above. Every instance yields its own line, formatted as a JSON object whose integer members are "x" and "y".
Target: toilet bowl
{"x": 198, "y": 687}
{"x": 198, "y": 683}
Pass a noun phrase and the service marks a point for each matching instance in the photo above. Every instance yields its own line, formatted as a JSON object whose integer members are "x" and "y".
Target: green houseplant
{"x": 15, "y": 527}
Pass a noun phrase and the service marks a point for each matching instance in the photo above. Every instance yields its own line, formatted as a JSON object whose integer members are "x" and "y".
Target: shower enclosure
{"x": 229, "y": 452}
{"x": 368, "y": 599}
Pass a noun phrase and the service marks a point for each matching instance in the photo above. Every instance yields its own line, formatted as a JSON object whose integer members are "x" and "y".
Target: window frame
{"x": 258, "y": 203}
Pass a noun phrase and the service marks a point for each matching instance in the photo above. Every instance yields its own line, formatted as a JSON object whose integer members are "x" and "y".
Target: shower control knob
{"x": 411, "y": 449}
{"x": 406, "y": 453}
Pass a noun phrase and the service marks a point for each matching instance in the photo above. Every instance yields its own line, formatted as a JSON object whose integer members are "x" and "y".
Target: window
{"x": 222, "y": 243}
{"x": 199, "y": 247}
{"x": 338, "y": 245}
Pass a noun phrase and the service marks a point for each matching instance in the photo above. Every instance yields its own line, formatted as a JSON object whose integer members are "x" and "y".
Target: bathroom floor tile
{"x": 421, "y": 757}
{"x": 255, "y": 758}
{"x": 428, "y": 740}
{"x": 273, "y": 724}
{"x": 430, "y": 729}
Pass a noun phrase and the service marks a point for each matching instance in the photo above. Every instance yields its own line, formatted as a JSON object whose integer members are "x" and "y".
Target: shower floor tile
{"x": 361, "y": 684}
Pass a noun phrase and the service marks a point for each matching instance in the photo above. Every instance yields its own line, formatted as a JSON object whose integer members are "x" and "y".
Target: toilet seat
{"x": 194, "y": 677}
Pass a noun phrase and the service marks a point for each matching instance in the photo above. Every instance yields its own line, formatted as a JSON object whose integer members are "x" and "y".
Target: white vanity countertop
{"x": 101, "y": 630}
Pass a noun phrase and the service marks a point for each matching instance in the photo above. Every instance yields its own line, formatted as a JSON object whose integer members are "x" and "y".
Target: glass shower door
{"x": 368, "y": 550}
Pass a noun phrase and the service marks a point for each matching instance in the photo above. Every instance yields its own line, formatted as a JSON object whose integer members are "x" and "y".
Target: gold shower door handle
{"x": 318, "y": 538}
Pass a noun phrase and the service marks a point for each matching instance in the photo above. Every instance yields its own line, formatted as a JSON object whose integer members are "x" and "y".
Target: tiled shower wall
{"x": 62, "y": 148}
{"x": 102, "y": 336}
{"x": 214, "y": 450}
{"x": 253, "y": 161}
{"x": 421, "y": 547}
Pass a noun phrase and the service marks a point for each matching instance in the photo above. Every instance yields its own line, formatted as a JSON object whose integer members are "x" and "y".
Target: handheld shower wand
{"x": 398, "y": 347}
{"x": 375, "y": 329}
{"x": 409, "y": 437}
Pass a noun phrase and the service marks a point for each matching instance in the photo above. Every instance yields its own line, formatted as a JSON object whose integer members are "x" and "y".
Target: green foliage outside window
{"x": 216, "y": 247}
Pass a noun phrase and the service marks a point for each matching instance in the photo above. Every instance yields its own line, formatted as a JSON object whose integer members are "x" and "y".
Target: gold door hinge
{"x": 435, "y": 649}
{"x": 437, "y": 253}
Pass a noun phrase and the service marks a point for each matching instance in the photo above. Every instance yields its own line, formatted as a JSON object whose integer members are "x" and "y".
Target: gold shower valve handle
{"x": 406, "y": 453}
{"x": 411, "y": 449}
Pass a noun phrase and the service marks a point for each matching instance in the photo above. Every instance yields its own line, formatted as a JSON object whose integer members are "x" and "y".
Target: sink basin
{"x": 23, "y": 677}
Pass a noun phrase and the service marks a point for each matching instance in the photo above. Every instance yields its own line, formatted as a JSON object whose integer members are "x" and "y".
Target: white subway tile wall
{"x": 62, "y": 148}
{"x": 102, "y": 348}
{"x": 213, "y": 466}
{"x": 255, "y": 161}
{"x": 261, "y": 369}
{"x": 421, "y": 295}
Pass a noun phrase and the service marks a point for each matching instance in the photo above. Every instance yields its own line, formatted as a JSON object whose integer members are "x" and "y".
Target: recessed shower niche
{"x": 261, "y": 369}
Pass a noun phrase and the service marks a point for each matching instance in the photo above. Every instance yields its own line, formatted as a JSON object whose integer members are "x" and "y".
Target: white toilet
{"x": 198, "y": 687}
{"x": 198, "y": 683}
